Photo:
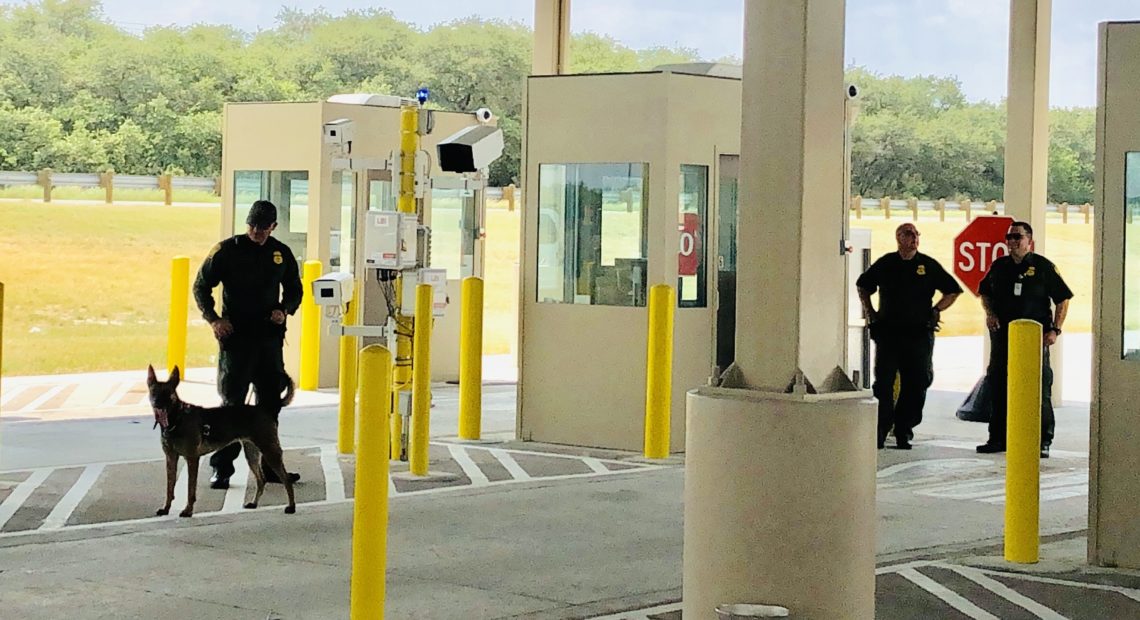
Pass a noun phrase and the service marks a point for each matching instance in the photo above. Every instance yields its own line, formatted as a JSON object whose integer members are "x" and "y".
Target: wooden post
{"x": 509, "y": 194}
{"x": 858, "y": 207}
{"x": 885, "y": 205}
{"x": 167, "y": 187}
{"x": 218, "y": 186}
{"x": 628, "y": 196}
{"x": 1064, "y": 209}
{"x": 1086, "y": 209}
{"x": 43, "y": 179}
{"x": 991, "y": 207}
{"x": 912, "y": 204}
{"x": 107, "y": 182}
{"x": 966, "y": 205}
{"x": 941, "y": 206}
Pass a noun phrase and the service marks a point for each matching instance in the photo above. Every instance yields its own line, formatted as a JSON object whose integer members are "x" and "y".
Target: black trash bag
{"x": 977, "y": 407}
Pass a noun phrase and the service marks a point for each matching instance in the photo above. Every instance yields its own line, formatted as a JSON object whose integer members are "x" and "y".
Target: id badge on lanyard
{"x": 1017, "y": 289}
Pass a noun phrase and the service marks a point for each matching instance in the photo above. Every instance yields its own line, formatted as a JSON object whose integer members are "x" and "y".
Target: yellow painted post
{"x": 858, "y": 207}
{"x": 659, "y": 375}
{"x": 1023, "y": 443}
{"x": 310, "y": 328}
{"x": 1064, "y": 208}
{"x": 912, "y": 204}
{"x": 421, "y": 384}
{"x": 396, "y": 423}
{"x": 346, "y": 435}
{"x": 107, "y": 182}
{"x": 941, "y": 209}
{"x": 471, "y": 359}
{"x": 43, "y": 178}
{"x": 1, "y": 329}
{"x": 885, "y": 205}
{"x": 409, "y": 144}
{"x": 370, "y": 512}
{"x": 179, "y": 309}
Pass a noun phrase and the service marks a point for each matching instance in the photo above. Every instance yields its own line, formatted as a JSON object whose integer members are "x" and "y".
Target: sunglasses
{"x": 1013, "y": 236}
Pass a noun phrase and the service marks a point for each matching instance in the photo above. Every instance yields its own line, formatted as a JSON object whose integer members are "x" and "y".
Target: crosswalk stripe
{"x": 510, "y": 464}
{"x": 42, "y": 398}
{"x": 117, "y": 393}
{"x": 470, "y": 468}
{"x": 181, "y": 487}
{"x": 334, "y": 479}
{"x": 595, "y": 465}
{"x": 1008, "y": 594}
{"x": 235, "y": 495}
{"x": 9, "y": 394}
{"x": 946, "y": 595}
{"x": 21, "y": 493}
{"x": 59, "y": 515}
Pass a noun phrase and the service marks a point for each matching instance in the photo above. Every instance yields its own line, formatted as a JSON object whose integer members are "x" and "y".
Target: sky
{"x": 966, "y": 39}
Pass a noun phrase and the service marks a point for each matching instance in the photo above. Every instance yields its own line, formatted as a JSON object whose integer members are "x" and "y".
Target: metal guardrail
{"x": 127, "y": 181}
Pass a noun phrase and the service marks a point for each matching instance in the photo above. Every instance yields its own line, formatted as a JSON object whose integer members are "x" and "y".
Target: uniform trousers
{"x": 997, "y": 374}
{"x": 909, "y": 355}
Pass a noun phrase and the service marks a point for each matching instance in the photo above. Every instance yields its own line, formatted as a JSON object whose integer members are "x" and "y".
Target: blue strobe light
{"x": 422, "y": 95}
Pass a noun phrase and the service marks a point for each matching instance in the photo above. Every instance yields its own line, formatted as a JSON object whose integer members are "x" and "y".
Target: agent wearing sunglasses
{"x": 1023, "y": 285}
{"x": 903, "y": 330}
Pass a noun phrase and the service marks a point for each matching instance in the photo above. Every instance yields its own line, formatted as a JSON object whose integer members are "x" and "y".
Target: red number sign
{"x": 689, "y": 256}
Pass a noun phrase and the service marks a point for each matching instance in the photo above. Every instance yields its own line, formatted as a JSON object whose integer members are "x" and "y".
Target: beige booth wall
{"x": 1114, "y": 454}
{"x": 287, "y": 136}
{"x": 582, "y": 367}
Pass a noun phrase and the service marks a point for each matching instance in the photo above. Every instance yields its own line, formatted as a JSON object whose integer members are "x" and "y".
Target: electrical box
{"x": 437, "y": 278}
{"x": 390, "y": 240}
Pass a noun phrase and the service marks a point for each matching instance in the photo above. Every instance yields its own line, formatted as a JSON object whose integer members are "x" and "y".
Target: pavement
{"x": 503, "y": 529}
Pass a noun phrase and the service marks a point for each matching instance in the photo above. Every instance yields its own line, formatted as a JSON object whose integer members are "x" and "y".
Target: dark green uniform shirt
{"x": 256, "y": 280}
{"x": 906, "y": 288}
{"x": 1023, "y": 290}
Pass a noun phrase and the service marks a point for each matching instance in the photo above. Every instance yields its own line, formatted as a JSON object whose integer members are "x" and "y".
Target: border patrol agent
{"x": 1021, "y": 286}
{"x": 903, "y": 330}
{"x": 260, "y": 285}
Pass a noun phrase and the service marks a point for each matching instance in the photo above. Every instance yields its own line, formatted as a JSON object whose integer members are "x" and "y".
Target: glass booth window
{"x": 453, "y": 231}
{"x": 1131, "y": 256}
{"x": 691, "y": 212}
{"x": 341, "y": 247}
{"x": 592, "y": 229}
{"x": 288, "y": 190}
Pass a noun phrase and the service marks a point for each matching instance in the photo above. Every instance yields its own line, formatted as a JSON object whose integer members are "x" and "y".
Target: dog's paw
{"x": 250, "y": 505}
{"x": 162, "y": 512}
{"x": 186, "y": 513}
{"x": 290, "y": 510}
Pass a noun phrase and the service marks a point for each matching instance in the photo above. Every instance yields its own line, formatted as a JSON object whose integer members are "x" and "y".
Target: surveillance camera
{"x": 333, "y": 289}
{"x": 852, "y": 91}
{"x": 338, "y": 131}
{"x": 471, "y": 149}
{"x": 483, "y": 115}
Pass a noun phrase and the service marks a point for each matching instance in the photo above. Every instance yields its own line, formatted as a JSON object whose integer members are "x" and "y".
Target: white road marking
{"x": 946, "y": 595}
{"x": 59, "y": 515}
{"x": 42, "y": 398}
{"x": 470, "y": 468}
{"x": 595, "y": 465}
{"x": 181, "y": 487}
{"x": 510, "y": 464}
{"x": 21, "y": 493}
{"x": 334, "y": 479}
{"x": 1131, "y": 593}
{"x": 939, "y": 464}
{"x": 1008, "y": 594}
{"x": 10, "y": 394}
{"x": 235, "y": 495}
{"x": 117, "y": 394}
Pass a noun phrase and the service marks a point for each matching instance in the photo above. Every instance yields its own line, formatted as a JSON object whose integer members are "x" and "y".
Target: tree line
{"x": 80, "y": 94}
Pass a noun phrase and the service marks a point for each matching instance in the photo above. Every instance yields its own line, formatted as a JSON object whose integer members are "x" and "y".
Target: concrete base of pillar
{"x": 780, "y": 502}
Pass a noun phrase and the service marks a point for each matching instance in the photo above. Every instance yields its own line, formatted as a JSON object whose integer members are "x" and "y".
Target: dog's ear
{"x": 175, "y": 377}
{"x": 150, "y": 378}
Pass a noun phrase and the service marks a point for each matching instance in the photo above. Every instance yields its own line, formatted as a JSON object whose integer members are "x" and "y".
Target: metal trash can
{"x": 745, "y": 611}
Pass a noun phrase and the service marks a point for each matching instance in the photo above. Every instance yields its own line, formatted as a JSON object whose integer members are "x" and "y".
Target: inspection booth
{"x": 276, "y": 152}
{"x": 1114, "y": 446}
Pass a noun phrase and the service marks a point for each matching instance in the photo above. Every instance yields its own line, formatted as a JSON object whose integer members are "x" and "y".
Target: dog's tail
{"x": 290, "y": 388}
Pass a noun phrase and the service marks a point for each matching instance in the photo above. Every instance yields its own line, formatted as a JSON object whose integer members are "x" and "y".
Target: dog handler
{"x": 260, "y": 285}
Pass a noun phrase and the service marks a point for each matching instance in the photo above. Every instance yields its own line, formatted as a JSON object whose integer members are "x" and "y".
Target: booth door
{"x": 729, "y": 175}
{"x": 456, "y": 218}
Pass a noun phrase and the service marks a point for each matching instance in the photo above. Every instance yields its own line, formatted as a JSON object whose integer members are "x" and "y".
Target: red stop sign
{"x": 979, "y": 244}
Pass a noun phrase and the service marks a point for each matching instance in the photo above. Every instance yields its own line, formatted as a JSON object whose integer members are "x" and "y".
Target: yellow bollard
{"x": 1023, "y": 443}
{"x": 471, "y": 359}
{"x": 421, "y": 383}
{"x": 179, "y": 304}
{"x": 310, "y": 328}
{"x": 370, "y": 512}
{"x": 346, "y": 437}
{"x": 659, "y": 377}
{"x": 396, "y": 432}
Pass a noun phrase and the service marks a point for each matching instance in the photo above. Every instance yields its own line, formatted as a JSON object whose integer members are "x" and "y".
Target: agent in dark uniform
{"x": 903, "y": 330}
{"x": 1022, "y": 285}
{"x": 260, "y": 285}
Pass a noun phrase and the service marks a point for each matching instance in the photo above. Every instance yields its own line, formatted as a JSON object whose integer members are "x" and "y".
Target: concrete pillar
{"x": 780, "y": 460}
{"x": 551, "y": 37}
{"x": 1027, "y": 131}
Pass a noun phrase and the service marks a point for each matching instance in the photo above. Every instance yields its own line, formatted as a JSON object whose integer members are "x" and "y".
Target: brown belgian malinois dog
{"x": 190, "y": 431}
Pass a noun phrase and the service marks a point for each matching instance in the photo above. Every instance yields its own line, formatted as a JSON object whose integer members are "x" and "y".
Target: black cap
{"x": 262, "y": 214}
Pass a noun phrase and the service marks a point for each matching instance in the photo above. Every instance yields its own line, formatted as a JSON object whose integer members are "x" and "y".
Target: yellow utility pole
{"x": 1023, "y": 444}
{"x": 179, "y": 304}
{"x": 471, "y": 359}
{"x": 310, "y": 328}
{"x": 370, "y": 512}
{"x": 659, "y": 382}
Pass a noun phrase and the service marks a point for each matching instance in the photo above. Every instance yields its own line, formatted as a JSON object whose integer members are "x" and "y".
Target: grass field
{"x": 87, "y": 286}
